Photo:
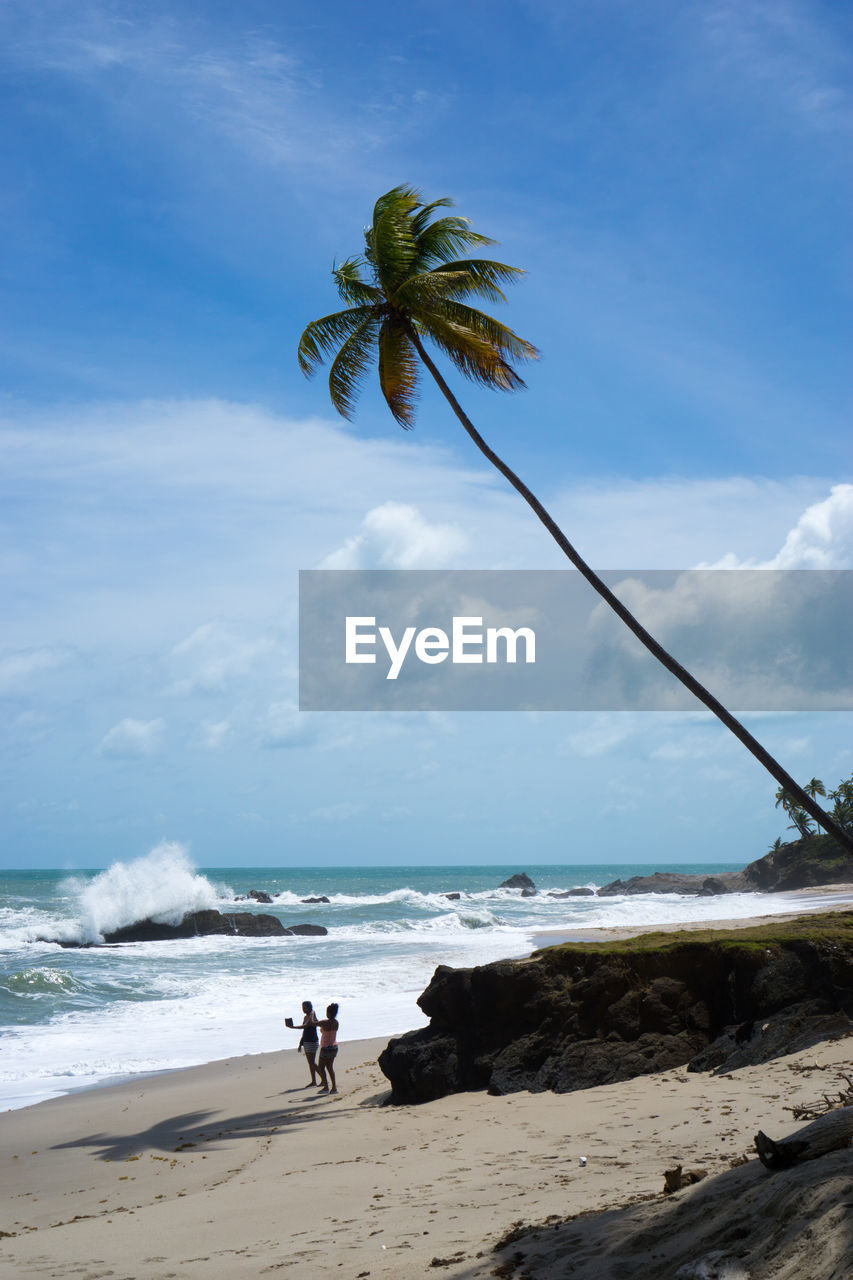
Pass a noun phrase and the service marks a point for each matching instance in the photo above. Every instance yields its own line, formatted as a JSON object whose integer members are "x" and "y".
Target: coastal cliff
{"x": 576, "y": 1016}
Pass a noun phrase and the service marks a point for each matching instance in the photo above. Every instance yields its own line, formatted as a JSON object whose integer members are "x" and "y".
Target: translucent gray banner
{"x": 389, "y": 640}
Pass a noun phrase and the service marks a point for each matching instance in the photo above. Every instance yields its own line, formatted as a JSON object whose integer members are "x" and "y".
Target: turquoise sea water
{"x": 72, "y": 1017}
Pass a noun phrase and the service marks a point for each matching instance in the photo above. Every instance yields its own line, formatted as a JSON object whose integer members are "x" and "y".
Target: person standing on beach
{"x": 308, "y": 1039}
{"x": 328, "y": 1048}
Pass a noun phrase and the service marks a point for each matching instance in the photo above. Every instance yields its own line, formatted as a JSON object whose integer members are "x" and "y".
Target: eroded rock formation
{"x": 572, "y": 1017}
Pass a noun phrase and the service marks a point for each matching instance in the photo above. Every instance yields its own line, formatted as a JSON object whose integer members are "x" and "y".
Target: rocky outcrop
{"x": 198, "y": 924}
{"x": 676, "y": 882}
{"x": 802, "y": 864}
{"x": 521, "y": 880}
{"x": 322, "y": 898}
{"x": 256, "y": 895}
{"x": 572, "y": 893}
{"x": 573, "y": 1017}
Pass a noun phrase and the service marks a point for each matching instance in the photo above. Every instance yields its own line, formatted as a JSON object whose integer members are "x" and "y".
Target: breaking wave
{"x": 163, "y": 886}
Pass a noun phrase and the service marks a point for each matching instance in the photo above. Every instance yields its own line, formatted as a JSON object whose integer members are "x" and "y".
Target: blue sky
{"x": 179, "y": 179}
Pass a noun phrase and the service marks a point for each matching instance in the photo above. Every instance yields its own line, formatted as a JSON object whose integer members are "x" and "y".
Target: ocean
{"x": 74, "y": 1018}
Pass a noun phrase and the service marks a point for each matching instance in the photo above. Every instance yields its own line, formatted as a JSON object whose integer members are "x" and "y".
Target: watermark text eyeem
{"x": 468, "y": 642}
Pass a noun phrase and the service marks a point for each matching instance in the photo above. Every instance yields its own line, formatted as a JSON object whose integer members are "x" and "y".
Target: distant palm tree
{"x": 814, "y": 788}
{"x": 784, "y": 798}
{"x": 800, "y": 821}
{"x": 409, "y": 285}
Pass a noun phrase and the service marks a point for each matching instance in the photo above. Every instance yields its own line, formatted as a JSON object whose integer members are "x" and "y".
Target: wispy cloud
{"x": 17, "y": 670}
{"x": 212, "y": 656}
{"x": 780, "y": 50}
{"x": 267, "y": 100}
{"x": 131, "y": 739}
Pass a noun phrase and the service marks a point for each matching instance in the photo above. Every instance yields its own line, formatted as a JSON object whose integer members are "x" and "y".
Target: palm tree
{"x": 410, "y": 284}
{"x": 814, "y": 788}
{"x": 800, "y": 821}
{"x": 785, "y": 799}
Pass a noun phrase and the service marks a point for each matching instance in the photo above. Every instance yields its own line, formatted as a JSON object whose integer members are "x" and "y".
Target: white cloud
{"x": 133, "y": 738}
{"x": 601, "y": 733}
{"x": 213, "y": 735}
{"x": 343, "y": 811}
{"x": 758, "y": 640}
{"x": 17, "y": 669}
{"x": 396, "y": 536}
{"x": 211, "y": 657}
{"x": 822, "y": 538}
{"x": 286, "y": 726}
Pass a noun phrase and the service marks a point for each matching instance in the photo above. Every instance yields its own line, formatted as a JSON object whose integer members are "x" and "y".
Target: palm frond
{"x": 322, "y": 337}
{"x": 351, "y": 286}
{"x": 389, "y": 244}
{"x": 444, "y": 239}
{"x": 421, "y": 219}
{"x": 471, "y": 277}
{"x": 486, "y": 328}
{"x": 398, "y": 371}
{"x": 474, "y": 356}
{"x": 350, "y": 366}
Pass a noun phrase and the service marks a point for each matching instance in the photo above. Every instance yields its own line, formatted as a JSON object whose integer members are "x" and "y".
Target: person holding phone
{"x": 308, "y": 1040}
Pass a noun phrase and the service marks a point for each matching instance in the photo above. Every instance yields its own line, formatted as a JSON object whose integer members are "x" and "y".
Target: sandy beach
{"x": 236, "y": 1169}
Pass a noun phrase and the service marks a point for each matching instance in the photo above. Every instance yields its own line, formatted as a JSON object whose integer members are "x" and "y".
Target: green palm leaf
{"x": 389, "y": 244}
{"x": 474, "y": 356}
{"x": 474, "y": 277}
{"x": 509, "y": 345}
{"x": 351, "y": 364}
{"x": 420, "y": 219}
{"x": 351, "y": 286}
{"x": 398, "y": 371}
{"x": 322, "y": 337}
{"x": 446, "y": 239}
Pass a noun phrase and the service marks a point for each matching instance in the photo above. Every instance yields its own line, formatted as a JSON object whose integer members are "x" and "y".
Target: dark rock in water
{"x": 570, "y": 1017}
{"x": 572, "y": 893}
{"x": 200, "y": 924}
{"x": 711, "y": 886}
{"x": 519, "y": 881}
{"x": 452, "y": 897}
{"x": 323, "y": 898}
{"x": 258, "y": 895}
{"x": 668, "y": 882}
{"x": 529, "y": 893}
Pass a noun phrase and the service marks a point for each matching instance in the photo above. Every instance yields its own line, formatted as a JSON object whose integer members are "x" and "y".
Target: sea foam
{"x": 161, "y": 886}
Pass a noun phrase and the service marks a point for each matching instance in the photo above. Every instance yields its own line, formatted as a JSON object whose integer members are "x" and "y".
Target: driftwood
{"x": 828, "y": 1133}
{"x": 675, "y": 1179}
{"x": 829, "y": 1102}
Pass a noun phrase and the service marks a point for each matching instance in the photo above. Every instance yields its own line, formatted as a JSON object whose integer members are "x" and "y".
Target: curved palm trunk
{"x": 681, "y": 673}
